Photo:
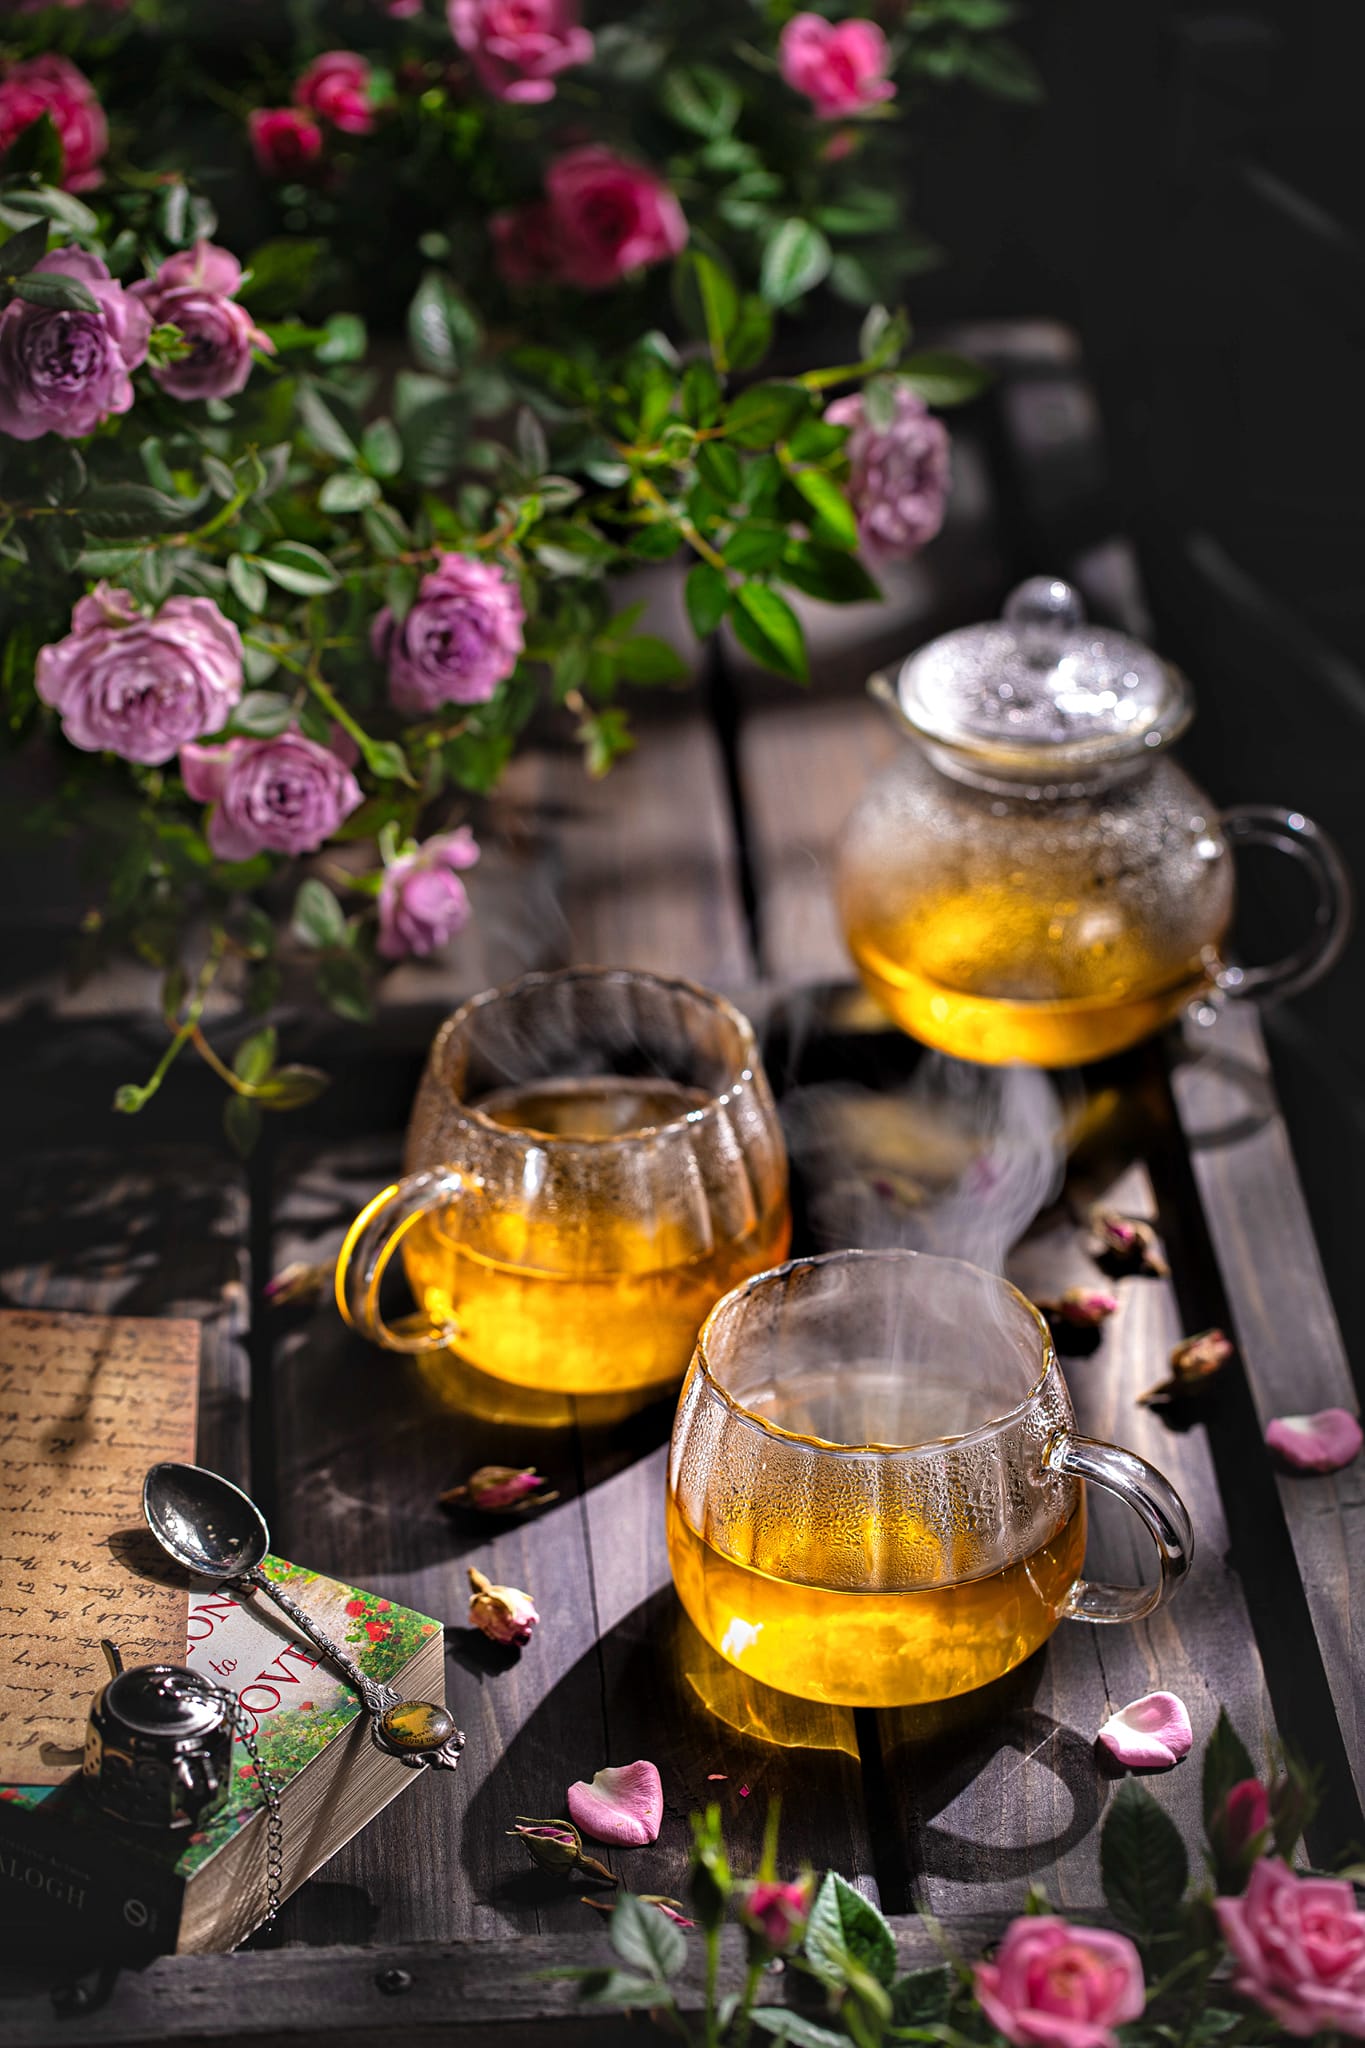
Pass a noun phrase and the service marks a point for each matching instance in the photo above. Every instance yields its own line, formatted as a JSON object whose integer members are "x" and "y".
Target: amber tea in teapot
{"x": 1036, "y": 879}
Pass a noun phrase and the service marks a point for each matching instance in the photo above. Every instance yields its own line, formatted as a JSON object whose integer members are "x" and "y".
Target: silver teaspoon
{"x": 212, "y": 1528}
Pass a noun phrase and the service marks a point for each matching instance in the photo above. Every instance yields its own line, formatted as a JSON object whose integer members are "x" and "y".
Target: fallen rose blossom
{"x": 557, "y": 1845}
{"x": 1322, "y": 1442}
{"x": 1151, "y": 1733}
{"x": 500, "y": 1490}
{"x": 1127, "y": 1242}
{"x": 502, "y": 1613}
{"x": 623, "y": 1804}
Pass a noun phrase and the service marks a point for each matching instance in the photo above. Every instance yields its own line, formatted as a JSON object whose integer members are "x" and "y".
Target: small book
{"x": 71, "y": 1876}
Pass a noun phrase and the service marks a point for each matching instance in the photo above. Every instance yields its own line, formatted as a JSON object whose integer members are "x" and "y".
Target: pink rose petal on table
{"x": 1149, "y": 1734}
{"x": 1323, "y": 1442}
{"x": 624, "y": 1804}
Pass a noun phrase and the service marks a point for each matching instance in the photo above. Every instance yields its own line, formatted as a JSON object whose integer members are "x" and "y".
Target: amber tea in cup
{"x": 594, "y": 1159}
{"x": 875, "y": 1488}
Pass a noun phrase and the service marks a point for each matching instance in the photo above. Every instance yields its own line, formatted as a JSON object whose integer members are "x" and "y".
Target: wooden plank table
{"x": 704, "y": 855}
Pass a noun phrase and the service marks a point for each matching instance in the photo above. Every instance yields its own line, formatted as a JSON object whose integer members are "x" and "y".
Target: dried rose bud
{"x": 1193, "y": 1361}
{"x": 557, "y": 1845}
{"x": 500, "y": 1490}
{"x": 1127, "y": 1242}
{"x": 298, "y": 1282}
{"x": 777, "y": 1912}
{"x": 670, "y": 1908}
{"x": 503, "y": 1613}
{"x": 1085, "y": 1308}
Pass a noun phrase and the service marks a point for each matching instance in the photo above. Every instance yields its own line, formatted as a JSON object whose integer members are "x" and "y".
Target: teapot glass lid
{"x": 1039, "y": 690}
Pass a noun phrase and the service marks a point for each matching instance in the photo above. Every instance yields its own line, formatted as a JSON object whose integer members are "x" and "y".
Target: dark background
{"x": 1190, "y": 198}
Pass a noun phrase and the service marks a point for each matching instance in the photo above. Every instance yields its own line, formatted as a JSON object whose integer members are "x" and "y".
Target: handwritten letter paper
{"x": 87, "y": 1403}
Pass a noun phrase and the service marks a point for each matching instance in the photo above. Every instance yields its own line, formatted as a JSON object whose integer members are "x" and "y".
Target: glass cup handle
{"x": 1290, "y": 832}
{"x": 370, "y": 1244}
{"x": 1157, "y": 1504}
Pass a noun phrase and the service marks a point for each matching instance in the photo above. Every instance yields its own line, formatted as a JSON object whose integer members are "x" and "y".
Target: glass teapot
{"x": 1036, "y": 879}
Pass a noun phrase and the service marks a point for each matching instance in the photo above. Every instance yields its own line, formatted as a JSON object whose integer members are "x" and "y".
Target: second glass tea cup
{"x": 876, "y": 1488}
{"x": 593, "y": 1158}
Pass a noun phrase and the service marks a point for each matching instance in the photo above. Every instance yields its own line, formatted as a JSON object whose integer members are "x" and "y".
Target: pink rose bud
{"x": 517, "y": 46}
{"x": 500, "y": 1490}
{"x": 460, "y": 639}
{"x": 624, "y": 1804}
{"x": 283, "y": 795}
{"x": 1240, "y": 1829}
{"x": 1127, "y": 1242}
{"x": 422, "y": 901}
{"x": 141, "y": 687}
{"x": 557, "y": 1845}
{"x": 1052, "y": 1985}
{"x": 1085, "y": 1308}
{"x": 502, "y": 1613}
{"x": 1194, "y": 1362}
{"x": 609, "y": 217}
{"x": 840, "y": 66}
{"x": 778, "y": 1912}
{"x": 191, "y": 291}
{"x": 285, "y": 143}
{"x": 1151, "y": 1733}
{"x": 672, "y": 1909}
{"x": 1323, "y": 1442}
{"x": 898, "y": 475}
{"x": 298, "y": 1281}
{"x": 67, "y": 372}
{"x": 1298, "y": 1949}
{"x": 336, "y": 87}
{"x": 53, "y": 85}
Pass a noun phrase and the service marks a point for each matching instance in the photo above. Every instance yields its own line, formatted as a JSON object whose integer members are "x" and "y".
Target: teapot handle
{"x": 1290, "y": 832}
{"x": 370, "y": 1244}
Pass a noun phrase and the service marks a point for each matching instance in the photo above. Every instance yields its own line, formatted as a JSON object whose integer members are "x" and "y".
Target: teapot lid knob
{"x": 1041, "y": 610}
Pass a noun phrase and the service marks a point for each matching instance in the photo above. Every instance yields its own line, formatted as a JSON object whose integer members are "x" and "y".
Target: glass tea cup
{"x": 593, "y": 1159}
{"x": 875, "y": 1489}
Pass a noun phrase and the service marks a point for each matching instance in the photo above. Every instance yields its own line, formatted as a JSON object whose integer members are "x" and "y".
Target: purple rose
{"x": 460, "y": 639}
{"x": 139, "y": 687}
{"x": 193, "y": 290}
{"x": 423, "y": 902}
{"x": 900, "y": 473}
{"x": 284, "y": 795}
{"x": 65, "y": 372}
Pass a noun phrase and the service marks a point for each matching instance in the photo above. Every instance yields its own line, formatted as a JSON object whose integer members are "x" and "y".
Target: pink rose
{"x": 404, "y": 10}
{"x": 191, "y": 290}
{"x": 778, "y": 1911}
{"x": 53, "y": 85}
{"x": 1239, "y": 1831}
{"x": 284, "y": 795}
{"x": 525, "y": 247}
{"x": 1052, "y": 1985}
{"x": 460, "y": 639}
{"x": 840, "y": 66}
{"x": 609, "y": 217}
{"x": 517, "y": 46}
{"x": 336, "y": 87}
{"x": 139, "y": 687}
{"x": 1298, "y": 1945}
{"x": 286, "y": 144}
{"x": 423, "y": 904}
{"x": 66, "y": 372}
{"x": 899, "y": 474}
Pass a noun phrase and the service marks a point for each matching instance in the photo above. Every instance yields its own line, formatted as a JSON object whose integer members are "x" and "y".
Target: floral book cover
{"x": 294, "y": 1706}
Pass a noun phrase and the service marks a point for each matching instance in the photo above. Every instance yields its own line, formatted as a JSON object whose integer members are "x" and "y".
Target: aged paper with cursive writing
{"x": 87, "y": 1403}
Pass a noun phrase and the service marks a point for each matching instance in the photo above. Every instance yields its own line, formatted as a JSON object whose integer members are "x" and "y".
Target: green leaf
{"x": 1143, "y": 1864}
{"x": 318, "y": 918}
{"x": 255, "y": 1056}
{"x": 795, "y": 258}
{"x": 262, "y": 714}
{"x": 845, "y": 1927}
{"x": 348, "y": 491}
{"x": 114, "y": 510}
{"x": 705, "y": 296}
{"x": 54, "y": 204}
{"x": 941, "y": 378}
{"x": 112, "y": 563}
{"x": 757, "y": 544}
{"x": 646, "y": 1939}
{"x": 293, "y": 1088}
{"x": 769, "y": 629}
{"x": 605, "y": 736}
{"x": 281, "y": 274}
{"x": 700, "y": 394}
{"x": 24, "y": 248}
{"x": 752, "y": 334}
{"x": 381, "y": 448}
{"x": 702, "y": 99}
{"x": 54, "y": 288}
{"x": 647, "y": 659}
{"x": 923, "y": 1997}
{"x": 344, "y": 339}
{"x": 36, "y": 151}
{"x": 835, "y": 518}
{"x": 814, "y": 439}
{"x": 442, "y": 326}
{"x": 247, "y": 584}
{"x": 299, "y": 569}
{"x": 870, "y": 210}
{"x": 386, "y": 530}
{"x": 242, "y": 1123}
{"x": 795, "y": 2027}
{"x": 322, "y": 426}
{"x": 620, "y": 1988}
{"x": 718, "y": 466}
{"x": 386, "y": 759}
{"x": 827, "y": 573}
{"x": 765, "y": 413}
{"x": 707, "y": 594}
{"x": 1226, "y": 1763}
{"x": 434, "y": 439}
{"x": 1000, "y": 68}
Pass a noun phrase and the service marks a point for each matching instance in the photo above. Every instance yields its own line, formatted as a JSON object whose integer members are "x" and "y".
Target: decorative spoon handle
{"x": 375, "y": 1698}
